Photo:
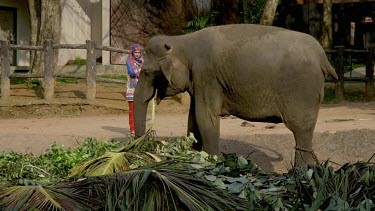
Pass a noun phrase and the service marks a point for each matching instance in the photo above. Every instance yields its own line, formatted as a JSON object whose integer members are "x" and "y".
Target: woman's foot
{"x": 132, "y": 133}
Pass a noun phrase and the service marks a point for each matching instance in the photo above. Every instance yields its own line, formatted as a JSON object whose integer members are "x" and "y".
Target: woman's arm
{"x": 131, "y": 72}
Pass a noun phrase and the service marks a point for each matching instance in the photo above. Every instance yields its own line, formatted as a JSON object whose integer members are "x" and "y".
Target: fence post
{"x": 339, "y": 87}
{"x": 5, "y": 70}
{"x": 49, "y": 83}
{"x": 370, "y": 89}
{"x": 91, "y": 70}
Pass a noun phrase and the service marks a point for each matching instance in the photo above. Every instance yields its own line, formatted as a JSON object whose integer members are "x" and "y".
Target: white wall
{"x": 84, "y": 20}
{"x": 23, "y": 29}
{"x": 106, "y": 8}
{"x": 75, "y": 28}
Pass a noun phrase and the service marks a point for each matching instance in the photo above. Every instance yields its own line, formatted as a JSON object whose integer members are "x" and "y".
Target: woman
{"x": 133, "y": 65}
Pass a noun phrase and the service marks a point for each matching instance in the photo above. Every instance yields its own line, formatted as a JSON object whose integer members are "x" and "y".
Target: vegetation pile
{"x": 151, "y": 173}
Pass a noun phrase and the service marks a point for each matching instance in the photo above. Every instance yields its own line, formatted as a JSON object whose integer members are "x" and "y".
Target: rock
{"x": 270, "y": 126}
{"x": 247, "y": 124}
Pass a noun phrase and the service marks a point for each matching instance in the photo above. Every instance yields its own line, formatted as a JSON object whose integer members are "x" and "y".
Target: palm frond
{"x": 161, "y": 188}
{"x": 44, "y": 198}
{"x": 112, "y": 162}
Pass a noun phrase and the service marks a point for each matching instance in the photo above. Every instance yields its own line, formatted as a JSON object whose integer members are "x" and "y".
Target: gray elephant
{"x": 257, "y": 73}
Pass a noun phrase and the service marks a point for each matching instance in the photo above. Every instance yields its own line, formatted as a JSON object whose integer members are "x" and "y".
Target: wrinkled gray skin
{"x": 254, "y": 72}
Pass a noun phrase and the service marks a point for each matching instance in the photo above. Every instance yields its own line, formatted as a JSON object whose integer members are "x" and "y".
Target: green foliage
{"x": 18, "y": 81}
{"x": 253, "y": 11}
{"x": 78, "y": 61}
{"x": 35, "y": 83}
{"x": 184, "y": 179}
{"x": 200, "y": 22}
{"x": 119, "y": 77}
{"x": 46, "y": 197}
{"x": 350, "y": 95}
{"x": 67, "y": 80}
{"x": 52, "y": 165}
{"x": 329, "y": 95}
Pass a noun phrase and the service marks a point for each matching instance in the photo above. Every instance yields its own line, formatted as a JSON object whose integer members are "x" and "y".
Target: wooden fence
{"x": 337, "y": 53}
{"x": 49, "y": 87}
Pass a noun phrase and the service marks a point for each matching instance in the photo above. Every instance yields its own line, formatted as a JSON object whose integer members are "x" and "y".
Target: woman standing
{"x": 133, "y": 65}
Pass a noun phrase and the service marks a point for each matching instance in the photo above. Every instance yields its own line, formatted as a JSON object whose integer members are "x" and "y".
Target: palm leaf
{"x": 162, "y": 188}
{"x": 129, "y": 157}
{"x": 112, "y": 162}
{"x": 44, "y": 198}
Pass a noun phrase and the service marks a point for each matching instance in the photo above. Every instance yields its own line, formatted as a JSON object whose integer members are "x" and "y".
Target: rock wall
{"x": 135, "y": 21}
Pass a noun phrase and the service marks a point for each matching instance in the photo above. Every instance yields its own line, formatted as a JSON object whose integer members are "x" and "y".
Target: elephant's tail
{"x": 328, "y": 69}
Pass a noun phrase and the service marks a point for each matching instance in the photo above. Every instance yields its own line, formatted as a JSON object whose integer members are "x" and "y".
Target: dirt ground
{"x": 345, "y": 132}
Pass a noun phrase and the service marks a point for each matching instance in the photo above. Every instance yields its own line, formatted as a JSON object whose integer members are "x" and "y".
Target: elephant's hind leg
{"x": 304, "y": 154}
{"x": 302, "y": 124}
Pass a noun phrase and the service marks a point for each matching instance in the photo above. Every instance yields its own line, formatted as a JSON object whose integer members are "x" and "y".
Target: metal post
{"x": 339, "y": 87}
{"x": 49, "y": 83}
{"x": 5, "y": 70}
{"x": 91, "y": 70}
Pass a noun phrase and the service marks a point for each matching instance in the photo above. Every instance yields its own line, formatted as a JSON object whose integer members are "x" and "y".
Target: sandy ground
{"x": 345, "y": 132}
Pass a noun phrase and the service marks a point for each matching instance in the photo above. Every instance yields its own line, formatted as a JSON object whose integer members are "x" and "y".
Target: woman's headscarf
{"x": 131, "y": 58}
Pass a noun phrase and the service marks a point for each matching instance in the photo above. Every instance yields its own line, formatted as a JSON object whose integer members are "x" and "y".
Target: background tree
{"x": 45, "y": 23}
{"x": 326, "y": 39}
{"x": 269, "y": 12}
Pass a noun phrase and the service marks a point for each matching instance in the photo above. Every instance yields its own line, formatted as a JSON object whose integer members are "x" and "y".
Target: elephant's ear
{"x": 166, "y": 63}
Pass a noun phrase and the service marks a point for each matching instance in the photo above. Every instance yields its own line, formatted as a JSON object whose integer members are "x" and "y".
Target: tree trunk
{"x": 45, "y": 18}
{"x": 269, "y": 12}
{"x": 326, "y": 38}
{"x": 33, "y": 30}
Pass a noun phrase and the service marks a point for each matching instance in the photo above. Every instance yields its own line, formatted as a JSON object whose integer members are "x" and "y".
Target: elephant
{"x": 254, "y": 72}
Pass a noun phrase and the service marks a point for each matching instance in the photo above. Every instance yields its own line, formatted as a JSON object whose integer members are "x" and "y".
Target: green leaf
{"x": 242, "y": 179}
{"x": 210, "y": 177}
{"x": 235, "y": 187}
{"x": 242, "y": 162}
{"x": 220, "y": 184}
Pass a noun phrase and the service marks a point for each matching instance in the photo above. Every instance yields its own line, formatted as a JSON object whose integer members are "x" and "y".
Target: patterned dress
{"x": 133, "y": 65}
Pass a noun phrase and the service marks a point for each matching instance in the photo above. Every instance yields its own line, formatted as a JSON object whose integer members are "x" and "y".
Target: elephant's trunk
{"x": 143, "y": 94}
{"x": 140, "y": 113}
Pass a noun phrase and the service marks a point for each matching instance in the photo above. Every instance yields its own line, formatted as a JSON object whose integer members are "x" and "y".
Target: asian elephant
{"x": 257, "y": 73}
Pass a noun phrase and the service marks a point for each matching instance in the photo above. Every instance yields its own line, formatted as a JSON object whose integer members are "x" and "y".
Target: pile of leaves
{"x": 151, "y": 173}
{"x": 51, "y": 166}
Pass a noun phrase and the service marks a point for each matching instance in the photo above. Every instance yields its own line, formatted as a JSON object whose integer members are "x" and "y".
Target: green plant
{"x": 17, "y": 81}
{"x": 119, "y": 77}
{"x": 200, "y": 22}
{"x": 35, "y": 83}
{"x": 52, "y": 165}
{"x": 329, "y": 95}
{"x": 78, "y": 61}
{"x": 184, "y": 179}
{"x": 67, "y": 80}
{"x": 253, "y": 10}
{"x": 349, "y": 95}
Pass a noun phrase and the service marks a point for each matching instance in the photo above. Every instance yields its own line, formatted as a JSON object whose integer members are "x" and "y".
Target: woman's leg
{"x": 131, "y": 117}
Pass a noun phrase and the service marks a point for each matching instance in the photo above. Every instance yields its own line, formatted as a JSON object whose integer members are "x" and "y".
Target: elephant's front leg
{"x": 208, "y": 122}
{"x": 193, "y": 126}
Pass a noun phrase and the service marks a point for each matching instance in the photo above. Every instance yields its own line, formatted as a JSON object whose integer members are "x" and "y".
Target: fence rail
{"x": 49, "y": 74}
{"x": 90, "y": 76}
{"x": 339, "y": 52}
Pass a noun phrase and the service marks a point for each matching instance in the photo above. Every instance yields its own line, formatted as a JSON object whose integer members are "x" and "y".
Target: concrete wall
{"x": 75, "y": 28}
{"x": 83, "y": 20}
{"x": 23, "y": 28}
{"x": 106, "y": 22}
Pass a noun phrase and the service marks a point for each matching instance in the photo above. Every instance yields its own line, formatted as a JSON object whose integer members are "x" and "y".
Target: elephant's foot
{"x": 305, "y": 157}
{"x": 198, "y": 146}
